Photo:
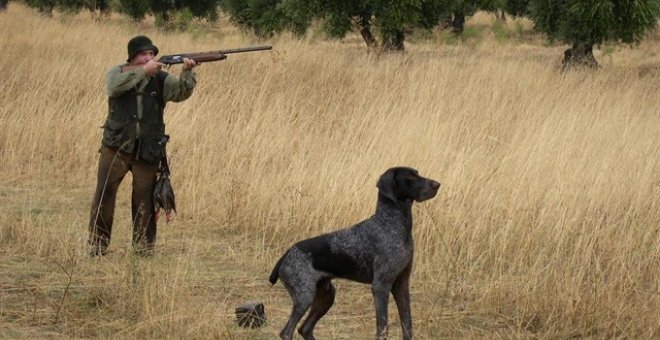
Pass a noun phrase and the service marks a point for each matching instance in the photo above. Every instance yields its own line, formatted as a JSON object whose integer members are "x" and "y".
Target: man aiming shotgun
{"x": 134, "y": 138}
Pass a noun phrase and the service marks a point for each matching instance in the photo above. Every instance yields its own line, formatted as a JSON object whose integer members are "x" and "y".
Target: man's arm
{"x": 119, "y": 82}
{"x": 181, "y": 88}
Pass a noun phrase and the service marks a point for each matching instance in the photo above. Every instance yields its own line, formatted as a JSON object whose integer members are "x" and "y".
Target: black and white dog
{"x": 376, "y": 251}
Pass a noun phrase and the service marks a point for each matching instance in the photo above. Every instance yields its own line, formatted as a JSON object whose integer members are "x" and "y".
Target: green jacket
{"x": 136, "y": 103}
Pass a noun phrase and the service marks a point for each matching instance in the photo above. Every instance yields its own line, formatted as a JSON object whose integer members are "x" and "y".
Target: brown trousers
{"x": 113, "y": 166}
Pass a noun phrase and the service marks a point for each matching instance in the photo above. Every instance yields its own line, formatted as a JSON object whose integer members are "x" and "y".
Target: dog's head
{"x": 401, "y": 184}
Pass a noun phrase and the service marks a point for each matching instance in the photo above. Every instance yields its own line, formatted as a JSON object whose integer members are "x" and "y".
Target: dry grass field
{"x": 547, "y": 224}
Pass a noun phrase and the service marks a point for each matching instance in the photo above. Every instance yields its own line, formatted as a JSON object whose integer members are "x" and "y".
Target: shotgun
{"x": 202, "y": 57}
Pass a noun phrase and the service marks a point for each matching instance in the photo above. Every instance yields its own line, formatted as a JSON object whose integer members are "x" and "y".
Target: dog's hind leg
{"x": 302, "y": 298}
{"x": 325, "y": 297}
{"x": 300, "y": 306}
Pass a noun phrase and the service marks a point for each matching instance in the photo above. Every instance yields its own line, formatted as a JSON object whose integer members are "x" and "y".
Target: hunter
{"x": 133, "y": 136}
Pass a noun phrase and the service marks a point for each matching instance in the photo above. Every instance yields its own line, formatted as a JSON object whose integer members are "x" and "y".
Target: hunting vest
{"x": 130, "y": 133}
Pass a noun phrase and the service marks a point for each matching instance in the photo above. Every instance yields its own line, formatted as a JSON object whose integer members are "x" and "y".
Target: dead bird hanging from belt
{"x": 163, "y": 192}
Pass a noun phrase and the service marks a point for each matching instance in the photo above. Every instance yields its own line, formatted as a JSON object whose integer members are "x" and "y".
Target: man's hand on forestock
{"x": 152, "y": 67}
{"x": 189, "y": 64}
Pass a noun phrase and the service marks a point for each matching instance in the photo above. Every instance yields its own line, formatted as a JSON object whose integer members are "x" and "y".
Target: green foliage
{"x": 297, "y": 16}
{"x": 469, "y": 7}
{"x": 43, "y": 6}
{"x": 182, "y": 19}
{"x": 163, "y": 10}
{"x": 433, "y": 12}
{"x": 632, "y": 20}
{"x": 135, "y": 9}
{"x": 338, "y": 17}
{"x": 161, "y": 21}
{"x": 68, "y": 7}
{"x": 390, "y": 18}
{"x": 393, "y": 17}
{"x": 594, "y": 21}
{"x": 336, "y": 25}
{"x": 160, "y": 6}
{"x": 175, "y": 20}
{"x": 206, "y": 9}
{"x": 263, "y": 17}
{"x": 490, "y": 5}
{"x": 517, "y": 8}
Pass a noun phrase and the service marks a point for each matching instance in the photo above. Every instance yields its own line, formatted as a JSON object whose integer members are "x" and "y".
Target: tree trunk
{"x": 580, "y": 55}
{"x": 365, "y": 31}
{"x": 393, "y": 41}
{"x": 458, "y": 23}
{"x": 368, "y": 37}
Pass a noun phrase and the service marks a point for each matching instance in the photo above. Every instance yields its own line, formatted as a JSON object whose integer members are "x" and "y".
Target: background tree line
{"x": 384, "y": 24}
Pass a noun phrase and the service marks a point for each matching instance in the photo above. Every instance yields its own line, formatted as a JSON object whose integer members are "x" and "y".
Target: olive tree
{"x": 381, "y": 23}
{"x": 586, "y": 23}
{"x": 163, "y": 9}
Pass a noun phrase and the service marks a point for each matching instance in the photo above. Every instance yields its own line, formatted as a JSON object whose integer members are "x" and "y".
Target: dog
{"x": 376, "y": 251}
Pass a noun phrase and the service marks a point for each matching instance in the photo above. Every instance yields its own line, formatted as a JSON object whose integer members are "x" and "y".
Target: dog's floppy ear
{"x": 387, "y": 185}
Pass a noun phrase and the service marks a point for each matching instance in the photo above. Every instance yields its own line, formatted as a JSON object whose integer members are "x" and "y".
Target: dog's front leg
{"x": 401, "y": 292}
{"x": 381, "y": 294}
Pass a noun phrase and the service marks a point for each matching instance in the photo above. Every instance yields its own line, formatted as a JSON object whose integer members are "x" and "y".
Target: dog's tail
{"x": 275, "y": 274}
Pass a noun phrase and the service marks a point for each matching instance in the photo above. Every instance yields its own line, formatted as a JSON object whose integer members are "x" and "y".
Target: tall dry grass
{"x": 547, "y": 224}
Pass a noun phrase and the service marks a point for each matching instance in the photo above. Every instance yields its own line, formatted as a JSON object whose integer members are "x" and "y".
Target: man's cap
{"x": 139, "y": 44}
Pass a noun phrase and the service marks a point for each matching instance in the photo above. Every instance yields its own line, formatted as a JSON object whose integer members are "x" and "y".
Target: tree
{"x": 135, "y": 9}
{"x": 45, "y": 7}
{"x": 393, "y": 17}
{"x": 390, "y": 19}
{"x": 203, "y": 9}
{"x": 164, "y": 9}
{"x": 337, "y": 17}
{"x": 102, "y": 6}
{"x": 516, "y": 8}
{"x": 585, "y": 23}
{"x": 263, "y": 17}
{"x": 461, "y": 9}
